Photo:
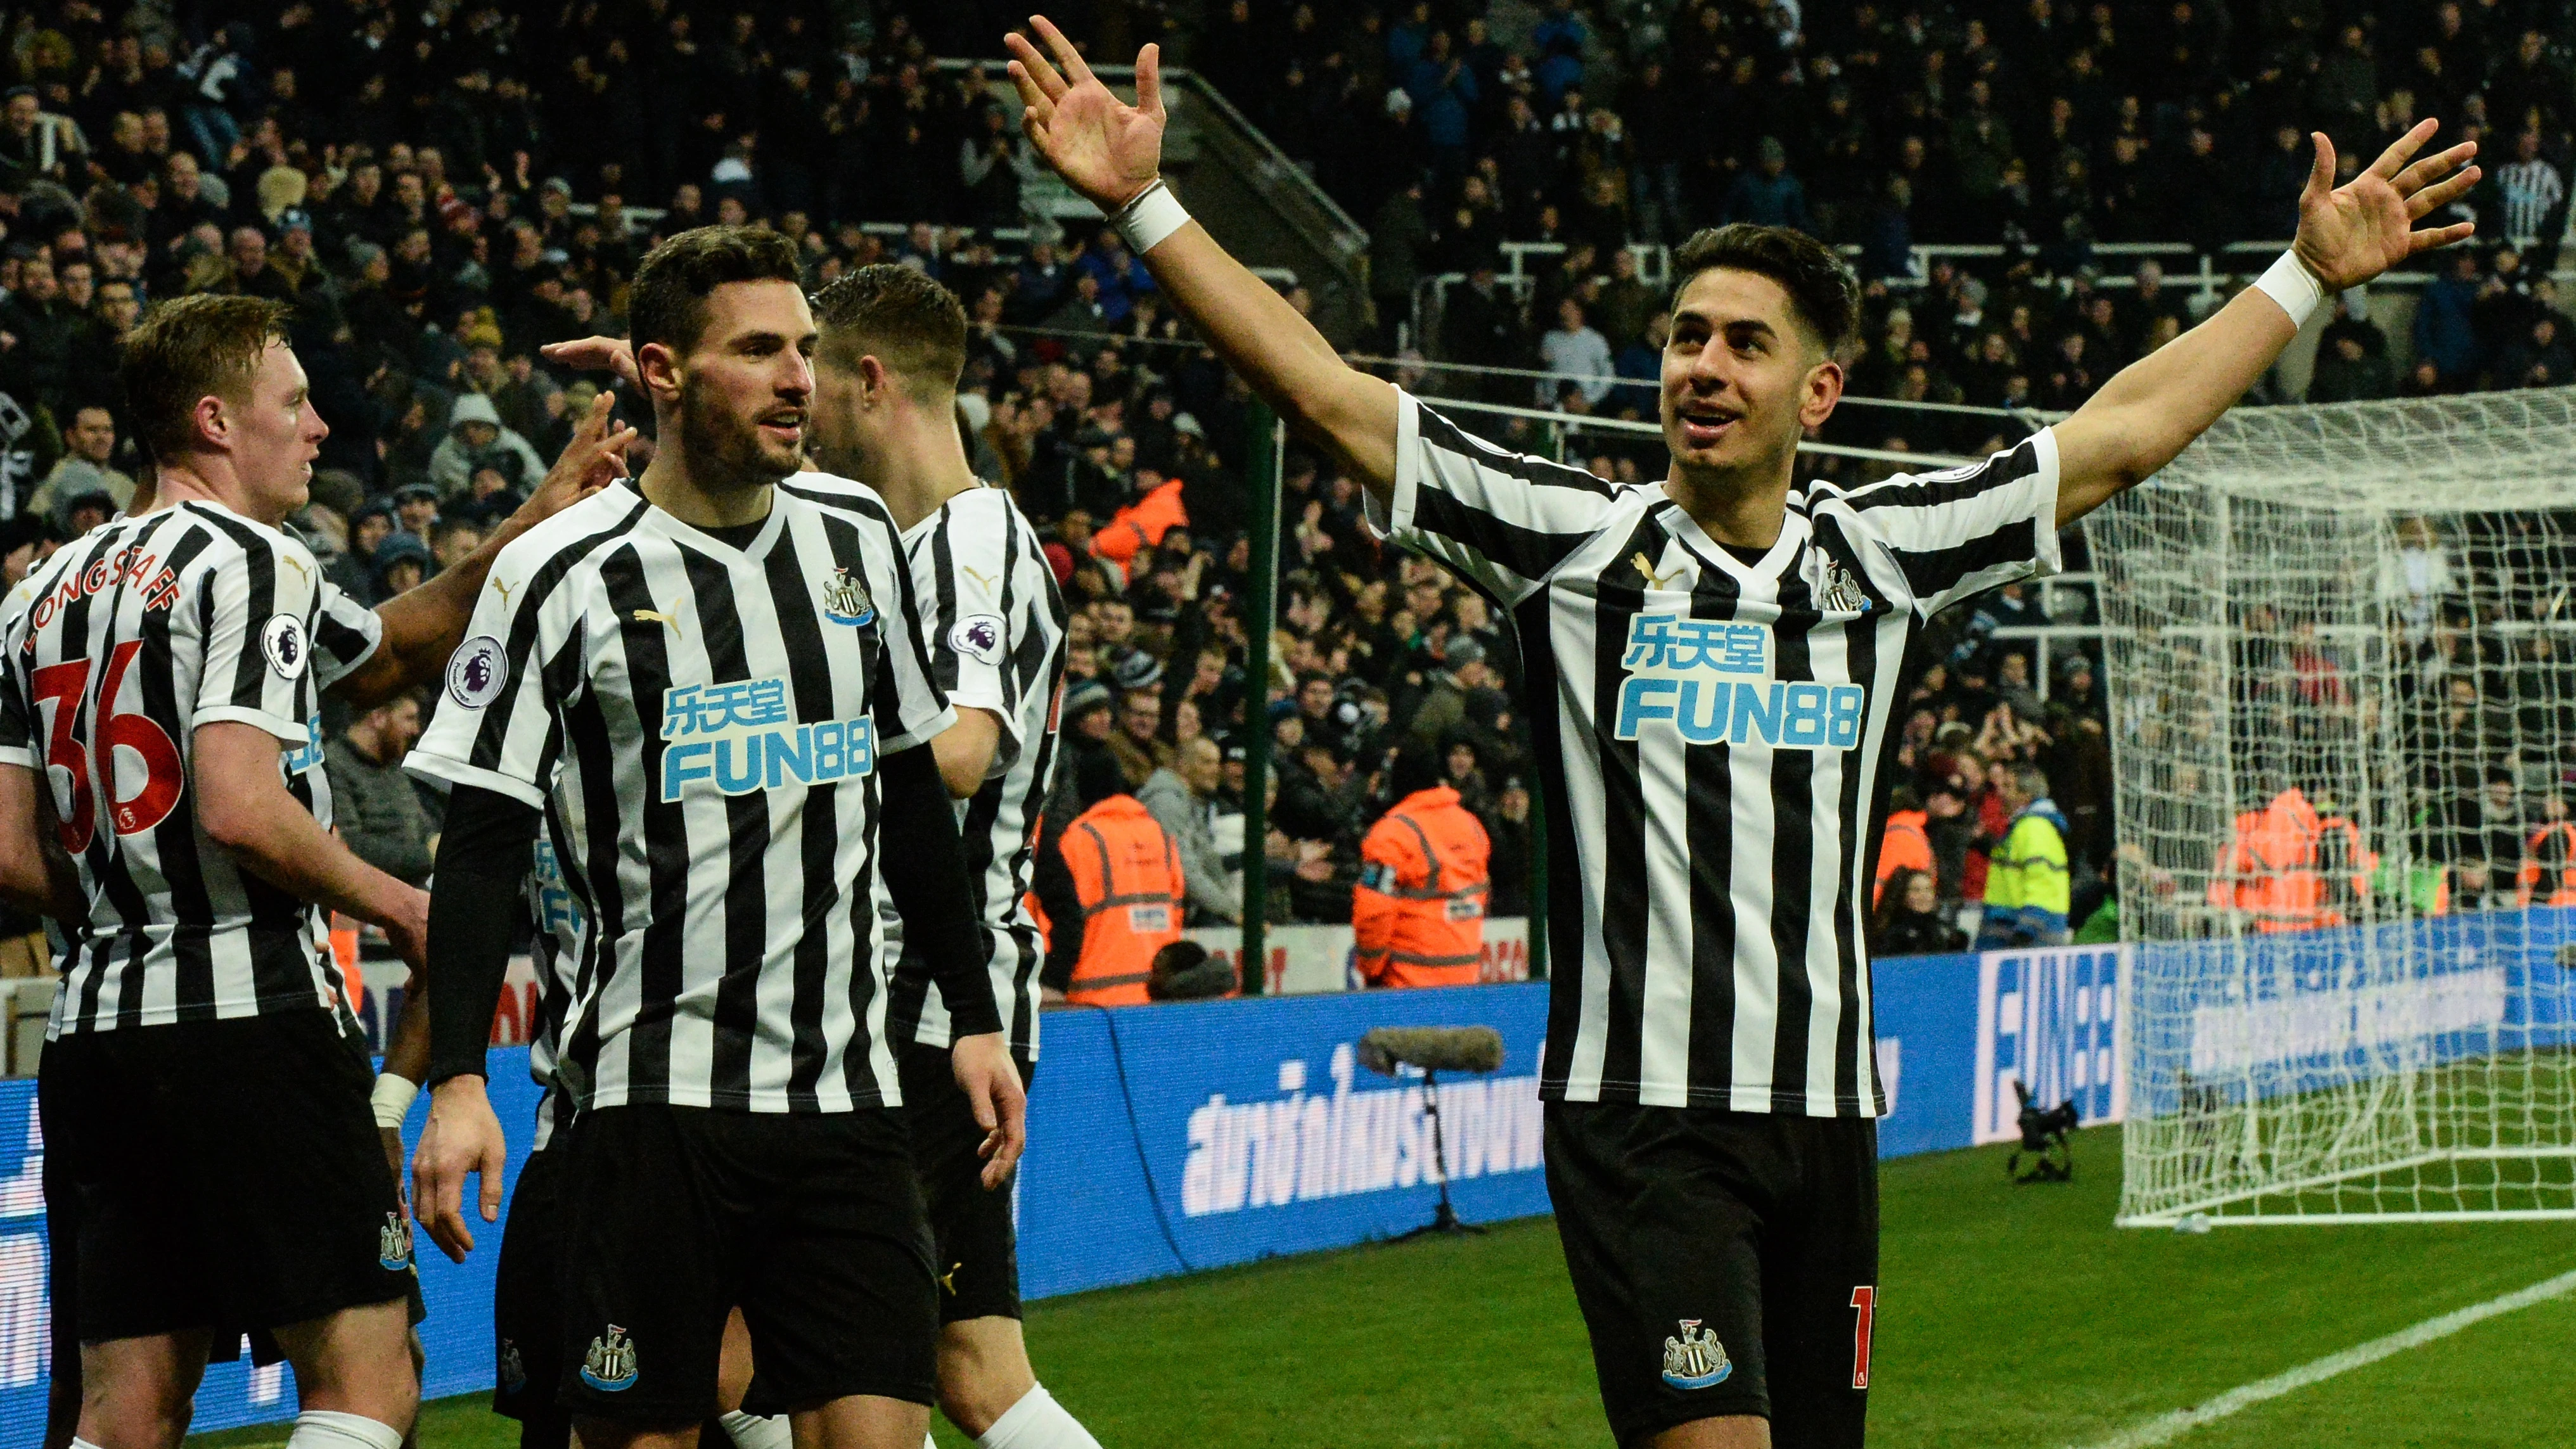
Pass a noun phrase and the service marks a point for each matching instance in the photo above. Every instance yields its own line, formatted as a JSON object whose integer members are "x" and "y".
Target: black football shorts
{"x": 224, "y": 1175}
{"x": 973, "y": 1243}
{"x": 811, "y": 1223}
{"x": 1726, "y": 1263}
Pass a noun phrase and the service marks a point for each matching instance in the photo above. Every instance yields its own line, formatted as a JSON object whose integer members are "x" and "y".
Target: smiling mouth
{"x": 1702, "y": 425}
{"x": 790, "y": 425}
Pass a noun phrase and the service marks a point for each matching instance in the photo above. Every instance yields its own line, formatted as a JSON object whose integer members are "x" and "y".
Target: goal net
{"x": 2343, "y": 670}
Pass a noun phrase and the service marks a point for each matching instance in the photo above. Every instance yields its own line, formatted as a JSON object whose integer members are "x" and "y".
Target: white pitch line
{"x": 2165, "y": 1428}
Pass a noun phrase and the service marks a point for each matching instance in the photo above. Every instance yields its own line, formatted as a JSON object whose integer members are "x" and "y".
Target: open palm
{"x": 1103, "y": 147}
{"x": 2351, "y": 233}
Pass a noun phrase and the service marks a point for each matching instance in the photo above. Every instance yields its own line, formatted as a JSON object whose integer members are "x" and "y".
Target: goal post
{"x": 2342, "y": 645}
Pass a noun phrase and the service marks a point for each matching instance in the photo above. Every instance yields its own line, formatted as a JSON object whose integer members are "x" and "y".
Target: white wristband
{"x": 1155, "y": 214}
{"x": 2290, "y": 283}
{"x": 391, "y": 1100}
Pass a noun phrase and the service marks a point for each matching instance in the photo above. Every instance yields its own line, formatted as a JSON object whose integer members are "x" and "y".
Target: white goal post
{"x": 2342, "y": 646}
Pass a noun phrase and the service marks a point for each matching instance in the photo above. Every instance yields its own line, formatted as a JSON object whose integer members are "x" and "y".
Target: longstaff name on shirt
{"x": 1708, "y": 680}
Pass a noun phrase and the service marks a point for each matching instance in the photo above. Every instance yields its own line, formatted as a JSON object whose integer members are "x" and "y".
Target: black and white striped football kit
{"x": 993, "y": 622}
{"x": 1710, "y": 729}
{"x": 199, "y": 1003}
{"x": 706, "y": 717}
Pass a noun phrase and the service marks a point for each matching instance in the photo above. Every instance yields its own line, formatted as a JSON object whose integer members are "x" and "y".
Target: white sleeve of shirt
{"x": 1505, "y": 520}
{"x": 494, "y": 729}
{"x": 905, "y": 698}
{"x": 966, "y": 617}
{"x": 1932, "y": 539}
{"x": 257, "y": 650}
{"x": 346, "y": 636}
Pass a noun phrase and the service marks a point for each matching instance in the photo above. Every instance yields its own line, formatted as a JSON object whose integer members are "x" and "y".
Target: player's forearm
{"x": 36, "y": 875}
{"x": 407, "y": 1054}
{"x": 965, "y": 750}
{"x": 2151, "y": 410}
{"x": 422, "y": 627}
{"x": 482, "y": 855}
{"x": 927, "y": 878}
{"x": 1278, "y": 353}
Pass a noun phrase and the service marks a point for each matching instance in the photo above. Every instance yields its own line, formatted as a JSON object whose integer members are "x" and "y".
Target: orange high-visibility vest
{"x": 1141, "y": 524}
{"x": 1418, "y": 912}
{"x": 2549, "y": 857}
{"x": 2343, "y": 858}
{"x": 2267, "y": 866}
{"x": 1905, "y": 846}
{"x": 1128, "y": 877}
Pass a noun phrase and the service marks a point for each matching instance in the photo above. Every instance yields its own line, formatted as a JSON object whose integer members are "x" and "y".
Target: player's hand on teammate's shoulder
{"x": 991, "y": 1082}
{"x": 2351, "y": 233}
{"x": 461, "y": 1139}
{"x": 1103, "y": 147}
{"x": 596, "y": 353}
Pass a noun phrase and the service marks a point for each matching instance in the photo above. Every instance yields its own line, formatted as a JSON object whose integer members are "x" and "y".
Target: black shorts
{"x": 226, "y": 1175}
{"x": 812, "y": 1224}
{"x": 527, "y": 1314}
{"x": 1726, "y": 1263}
{"x": 974, "y": 1244}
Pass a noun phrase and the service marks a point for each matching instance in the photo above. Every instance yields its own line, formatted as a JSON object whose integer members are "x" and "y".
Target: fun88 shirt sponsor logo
{"x": 1709, "y": 681}
{"x": 738, "y": 736}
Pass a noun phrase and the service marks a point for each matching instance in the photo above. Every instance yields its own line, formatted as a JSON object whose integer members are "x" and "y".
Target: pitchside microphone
{"x": 1435, "y": 1049}
{"x": 1432, "y": 1048}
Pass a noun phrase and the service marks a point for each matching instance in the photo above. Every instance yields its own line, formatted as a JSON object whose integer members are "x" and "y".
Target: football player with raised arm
{"x": 1711, "y": 661}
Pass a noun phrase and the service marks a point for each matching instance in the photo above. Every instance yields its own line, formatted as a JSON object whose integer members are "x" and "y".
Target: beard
{"x": 733, "y": 447}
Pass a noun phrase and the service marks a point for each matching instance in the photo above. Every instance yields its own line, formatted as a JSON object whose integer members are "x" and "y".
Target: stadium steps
{"x": 1243, "y": 189}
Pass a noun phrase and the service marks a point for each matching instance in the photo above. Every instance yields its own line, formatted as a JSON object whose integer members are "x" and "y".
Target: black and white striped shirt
{"x": 119, "y": 647}
{"x": 705, "y": 723}
{"x": 1711, "y": 733}
{"x": 993, "y": 621}
{"x": 554, "y": 950}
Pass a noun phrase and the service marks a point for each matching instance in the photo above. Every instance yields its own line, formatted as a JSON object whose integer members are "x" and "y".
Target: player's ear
{"x": 659, "y": 367}
{"x": 1824, "y": 389}
{"x": 875, "y": 383}
{"x": 213, "y": 420}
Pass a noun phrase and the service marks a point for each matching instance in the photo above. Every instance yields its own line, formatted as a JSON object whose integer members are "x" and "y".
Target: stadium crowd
{"x": 441, "y": 191}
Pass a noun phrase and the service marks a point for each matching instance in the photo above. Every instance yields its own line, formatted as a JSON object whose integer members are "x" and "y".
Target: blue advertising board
{"x": 1170, "y": 1139}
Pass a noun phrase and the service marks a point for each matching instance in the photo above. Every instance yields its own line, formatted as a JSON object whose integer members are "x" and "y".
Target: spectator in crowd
{"x": 85, "y": 468}
{"x": 374, "y": 803}
{"x": 1575, "y": 350}
{"x": 1181, "y": 796}
{"x": 475, "y": 440}
{"x": 2027, "y": 887}
{"x": 1909, "y": 921}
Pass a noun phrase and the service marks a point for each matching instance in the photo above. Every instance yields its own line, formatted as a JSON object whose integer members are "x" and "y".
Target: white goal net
{"x": 2343, "y": 669}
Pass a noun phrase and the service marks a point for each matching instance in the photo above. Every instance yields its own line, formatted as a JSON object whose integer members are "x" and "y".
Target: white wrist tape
{"x": 391, "y": 1100}
{"x": 2290, "y": 283}
{"x": 1155, "y": 214}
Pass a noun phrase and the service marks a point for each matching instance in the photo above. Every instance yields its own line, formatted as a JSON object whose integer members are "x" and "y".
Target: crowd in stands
{"x": 439, "y": 190}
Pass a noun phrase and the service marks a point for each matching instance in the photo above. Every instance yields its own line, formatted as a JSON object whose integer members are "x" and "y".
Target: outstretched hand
{"x": 1103, "y": 147}
{"x": 2351, "y": 233}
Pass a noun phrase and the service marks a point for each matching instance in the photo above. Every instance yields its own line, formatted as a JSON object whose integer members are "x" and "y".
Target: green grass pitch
{"x": 2007, "y": 1317}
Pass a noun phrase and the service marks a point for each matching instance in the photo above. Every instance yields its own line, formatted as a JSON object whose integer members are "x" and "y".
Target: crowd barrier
{"x": 1170, "y": 1139}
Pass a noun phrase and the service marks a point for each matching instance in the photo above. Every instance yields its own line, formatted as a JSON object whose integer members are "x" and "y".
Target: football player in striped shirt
{"x": 1714, "y": 657}
{"x": 884, "y": 427}
{"x": 719, "y": 687}
{"x": 361, "y": 657}
{"x": 159, "y": 670}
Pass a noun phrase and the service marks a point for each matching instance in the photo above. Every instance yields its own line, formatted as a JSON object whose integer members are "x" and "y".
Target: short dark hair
{"x": 668, "y": 300}
{"x": 1823, "y": 290}
{"x": 188, "y": 348}
{"x": 898, "y": 315}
